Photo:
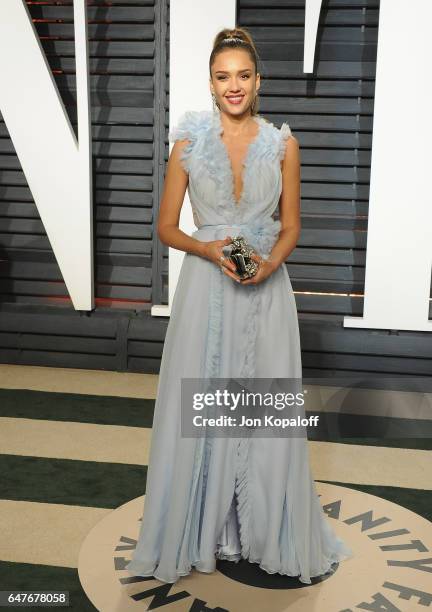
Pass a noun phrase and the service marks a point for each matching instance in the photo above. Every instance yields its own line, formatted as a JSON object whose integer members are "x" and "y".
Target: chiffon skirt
{"x": 223, "y": 497}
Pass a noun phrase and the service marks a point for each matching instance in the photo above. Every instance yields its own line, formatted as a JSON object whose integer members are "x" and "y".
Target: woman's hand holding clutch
{"x": 213, "y": 251}
{"x": 266, "y": 267}
{"x": 252, "y": 268}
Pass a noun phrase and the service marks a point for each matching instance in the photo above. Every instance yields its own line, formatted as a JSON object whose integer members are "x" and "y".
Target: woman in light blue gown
{"x": 207, "y": 497}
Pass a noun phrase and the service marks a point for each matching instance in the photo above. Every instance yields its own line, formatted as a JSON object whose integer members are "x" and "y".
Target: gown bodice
{"x": 211, "y": 182}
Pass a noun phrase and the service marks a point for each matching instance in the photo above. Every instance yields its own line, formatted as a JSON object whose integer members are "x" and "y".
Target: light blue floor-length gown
{"x": 225, "y": 497}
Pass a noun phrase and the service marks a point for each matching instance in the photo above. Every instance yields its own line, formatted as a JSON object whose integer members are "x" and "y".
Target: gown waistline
{"x": 261, "y": 234}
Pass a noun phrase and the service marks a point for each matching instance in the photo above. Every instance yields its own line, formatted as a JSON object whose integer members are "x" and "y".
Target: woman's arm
{"x": 289, "y": 205}
{"x": 176, "y": 181}
{"x": 175, "y": 185}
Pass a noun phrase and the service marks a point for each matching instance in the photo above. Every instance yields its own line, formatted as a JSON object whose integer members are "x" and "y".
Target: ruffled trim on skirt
{"x": 338, "y": 551}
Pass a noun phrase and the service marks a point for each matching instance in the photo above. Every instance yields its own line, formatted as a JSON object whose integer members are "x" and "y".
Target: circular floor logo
{"x": 390, "y": 570}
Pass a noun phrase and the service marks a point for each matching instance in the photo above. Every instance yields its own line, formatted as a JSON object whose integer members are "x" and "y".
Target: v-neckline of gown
{"x": 245, "y": 162}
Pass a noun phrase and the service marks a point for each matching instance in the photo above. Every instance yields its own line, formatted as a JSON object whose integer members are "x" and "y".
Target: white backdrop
{"x": 57, "y": 167}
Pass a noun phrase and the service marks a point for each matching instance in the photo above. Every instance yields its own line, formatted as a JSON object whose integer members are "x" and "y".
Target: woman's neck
{"x": 236, "y": 126}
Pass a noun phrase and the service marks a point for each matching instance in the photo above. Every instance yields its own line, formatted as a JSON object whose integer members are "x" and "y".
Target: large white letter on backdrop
{"x": 193, "y": 26}
{"x": 399, "y": 239}
{"x": 56, "y": 166}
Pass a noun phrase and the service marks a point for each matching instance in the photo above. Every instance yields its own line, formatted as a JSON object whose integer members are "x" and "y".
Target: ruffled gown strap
{"x": 191, "y": 126}
{"x": 284, "y": 134}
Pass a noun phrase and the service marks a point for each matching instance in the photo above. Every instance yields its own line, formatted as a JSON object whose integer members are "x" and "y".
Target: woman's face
{"x": 233, "y": 81}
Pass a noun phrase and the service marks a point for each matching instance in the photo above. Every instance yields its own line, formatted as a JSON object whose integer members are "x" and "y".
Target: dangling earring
{"x": 215, "y": 104}
{"x": 254, "y": 105}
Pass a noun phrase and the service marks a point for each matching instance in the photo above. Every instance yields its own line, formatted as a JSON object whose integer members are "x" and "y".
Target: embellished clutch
{"x": 240, "y": 255}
